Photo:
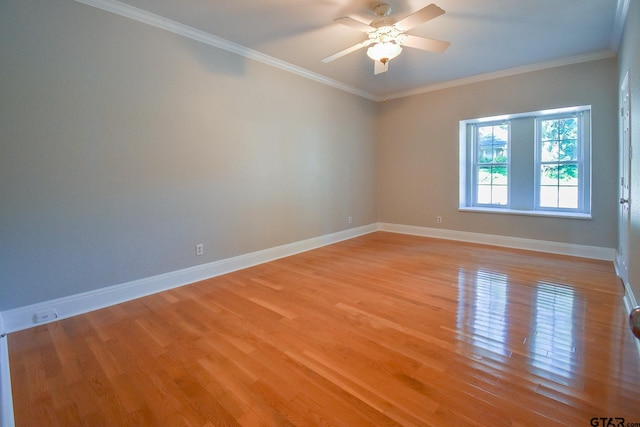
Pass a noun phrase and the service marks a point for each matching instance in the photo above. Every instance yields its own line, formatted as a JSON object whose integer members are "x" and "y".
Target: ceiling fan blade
{"x": 379, "y": 67}
{"x": 423, "y": 15}
{"x": 431, "y": 45}
{"x": 356, "y": 25}
{"x": 347, "y": 51}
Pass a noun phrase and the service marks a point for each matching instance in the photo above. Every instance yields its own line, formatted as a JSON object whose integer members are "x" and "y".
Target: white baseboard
{"x": 23, "y": 317}
{"x": 6, "y": 400}
{"x": 630, "y": 300}
{"x": 594, "y": 252}
{"x": 630, "y": 303}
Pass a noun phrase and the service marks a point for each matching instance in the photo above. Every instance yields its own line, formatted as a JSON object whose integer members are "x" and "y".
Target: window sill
{"x": 547, "y": 214}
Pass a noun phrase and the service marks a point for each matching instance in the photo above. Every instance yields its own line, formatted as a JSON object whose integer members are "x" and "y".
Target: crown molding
{"x": 622, "y": 10}
{"x": 593, "y": 56}
{"x": 143, "y": 16}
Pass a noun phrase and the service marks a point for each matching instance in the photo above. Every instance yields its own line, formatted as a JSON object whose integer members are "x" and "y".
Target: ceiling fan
{"x": 386, "y": 36}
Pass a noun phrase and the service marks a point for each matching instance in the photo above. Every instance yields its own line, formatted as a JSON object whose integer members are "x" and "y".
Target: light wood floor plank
{"x": 383, "y": 329}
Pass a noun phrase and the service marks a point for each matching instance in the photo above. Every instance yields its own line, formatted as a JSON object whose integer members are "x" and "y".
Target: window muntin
{"x": 491, "y": 170}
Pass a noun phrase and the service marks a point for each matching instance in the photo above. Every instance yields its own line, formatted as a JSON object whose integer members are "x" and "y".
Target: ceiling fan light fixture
{"x": 384, "y": 52}
{"x": 386, "y": 35}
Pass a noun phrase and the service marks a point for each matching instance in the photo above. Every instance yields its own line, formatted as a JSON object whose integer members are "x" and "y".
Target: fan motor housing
{"x": 385, "y": 21}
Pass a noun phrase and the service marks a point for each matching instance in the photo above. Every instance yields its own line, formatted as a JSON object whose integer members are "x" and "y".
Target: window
{"x": 558, "y": 163}
{"x": 491, "y": 177}
{"x": 534, "y": 163}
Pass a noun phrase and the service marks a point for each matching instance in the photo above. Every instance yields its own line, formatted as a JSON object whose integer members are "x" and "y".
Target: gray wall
{"x": 417, "y": 151}
{"x": 122, "y": 146}
{"x": 629, "y": 59}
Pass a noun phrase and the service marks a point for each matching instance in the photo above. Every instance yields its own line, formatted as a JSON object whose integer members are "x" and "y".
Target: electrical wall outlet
{"x": 439, "y": 219}
{"x": 199, "y": 249}
{"x": 45, "y": 316}
{"x": 350, "y": 220}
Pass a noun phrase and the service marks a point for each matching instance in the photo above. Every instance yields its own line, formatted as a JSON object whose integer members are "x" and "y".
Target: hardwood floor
{"x": 383, "y": 329}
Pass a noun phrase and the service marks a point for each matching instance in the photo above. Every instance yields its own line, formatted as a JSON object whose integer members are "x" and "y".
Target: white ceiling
{"x": 487, "y": 37}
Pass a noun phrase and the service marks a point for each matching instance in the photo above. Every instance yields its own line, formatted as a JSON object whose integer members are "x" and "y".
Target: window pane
{"x": 499, "y": 195}
{"x": 549, "y": 151}
{"x": 568, "y": 174}
{"x": 484, "y": 175}
{"x": 492, "y": 186}
{"x": 559, "y": 139}
{"x": 484, "y": 194}
{"x": 549, "y": 175}
{"x": 549, "y": 197}
{"x": 499, "y": 175}
{"x": 568, "y": 197}
{"x": 565, "y": 178}
{"x": 559, "y": 129}
{"x": 568, "y": 150}
{"x": 493, "y": 143}
{"x": 485, "y": 154}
